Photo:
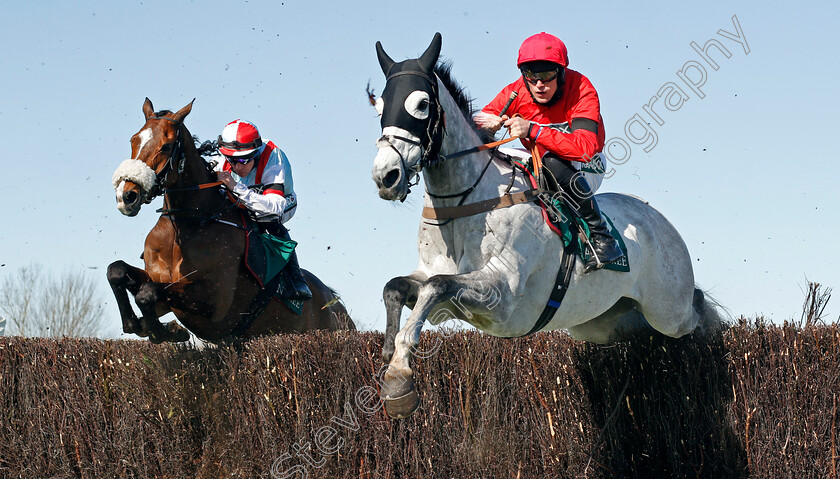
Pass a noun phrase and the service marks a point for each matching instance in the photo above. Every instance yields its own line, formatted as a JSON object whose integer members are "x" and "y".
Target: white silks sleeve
{"x": 269, "y": 206}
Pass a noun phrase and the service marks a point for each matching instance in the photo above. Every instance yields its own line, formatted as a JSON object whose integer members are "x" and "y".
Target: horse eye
{"x": 166, "y": 147}
{"x": 417, "y": 104}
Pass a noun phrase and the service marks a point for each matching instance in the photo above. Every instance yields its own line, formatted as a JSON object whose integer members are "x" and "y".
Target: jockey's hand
{"x": 488, "y": 121}
{"x": 518, "y": 126}
{"x": 226, "y": 179}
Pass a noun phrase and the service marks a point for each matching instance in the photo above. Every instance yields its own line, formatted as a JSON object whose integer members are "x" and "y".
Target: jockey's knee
{"x": 561, "y": 172}
{"x": 275, "y": 228}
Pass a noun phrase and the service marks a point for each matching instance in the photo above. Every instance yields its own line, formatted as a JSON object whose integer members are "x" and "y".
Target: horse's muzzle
{"x": 129, "y": 198}
{"x": 391, "y": 185}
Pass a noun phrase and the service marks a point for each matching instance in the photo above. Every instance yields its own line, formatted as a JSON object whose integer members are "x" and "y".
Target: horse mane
{"x": 443, "y": 69}
{"x": 206, "y": 147}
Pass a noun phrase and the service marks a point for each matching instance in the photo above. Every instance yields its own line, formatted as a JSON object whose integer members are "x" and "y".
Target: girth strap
{"x": 561, "y": 285}
{"x": 471, "y": 209}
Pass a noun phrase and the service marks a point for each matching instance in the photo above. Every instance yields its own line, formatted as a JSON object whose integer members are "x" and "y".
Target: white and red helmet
{"x": 239, "y": 138}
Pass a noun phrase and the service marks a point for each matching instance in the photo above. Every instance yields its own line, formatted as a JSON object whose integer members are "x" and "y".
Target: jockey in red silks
{"x": 557, "y": 109}
{"x": 258, "y": 175}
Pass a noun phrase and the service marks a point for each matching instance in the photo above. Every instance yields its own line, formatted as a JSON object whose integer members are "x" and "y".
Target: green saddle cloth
{"x": 568, "y": 236}
{"x": 277, "y": 252}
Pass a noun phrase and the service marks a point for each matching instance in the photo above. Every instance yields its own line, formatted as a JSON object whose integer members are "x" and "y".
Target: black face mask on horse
{"x": 412, "y": 83}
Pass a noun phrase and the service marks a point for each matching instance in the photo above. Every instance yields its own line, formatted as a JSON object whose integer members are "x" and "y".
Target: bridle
{"x": 176, "y": 162}
{"x": 177, "y": 156}
{"x": 177, "y": 151}
{"x": 431, "y": 143}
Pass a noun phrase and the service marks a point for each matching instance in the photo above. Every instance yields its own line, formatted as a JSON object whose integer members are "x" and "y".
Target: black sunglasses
{"x": 545, "y": 77}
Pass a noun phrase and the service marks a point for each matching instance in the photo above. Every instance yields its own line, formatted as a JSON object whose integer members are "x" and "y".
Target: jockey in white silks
{"x": 259, "y": 177}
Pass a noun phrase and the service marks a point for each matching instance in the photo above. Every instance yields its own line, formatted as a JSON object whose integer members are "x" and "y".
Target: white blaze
{"x": 144, "y": 136}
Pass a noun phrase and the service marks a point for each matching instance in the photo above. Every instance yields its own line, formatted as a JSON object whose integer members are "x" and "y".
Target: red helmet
{"x": 239, "y": 138}
{"x": 543, "y": 47}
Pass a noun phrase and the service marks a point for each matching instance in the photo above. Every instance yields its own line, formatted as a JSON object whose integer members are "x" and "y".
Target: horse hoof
{"x": 387, "y": 354}
{"x": 176, "y": 333}
{"x": 403, "y": 406}
{"x": 132, "y": 326}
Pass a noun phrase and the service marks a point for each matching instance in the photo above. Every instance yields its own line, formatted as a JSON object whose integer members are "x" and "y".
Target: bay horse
{"x": 496, "y": 269}
{"x": 194, "y": 254}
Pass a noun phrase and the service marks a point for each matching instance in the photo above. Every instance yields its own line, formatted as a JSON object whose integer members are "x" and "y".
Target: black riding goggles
{"x": 544, "y": 76}
{"x": 240, "y": 160}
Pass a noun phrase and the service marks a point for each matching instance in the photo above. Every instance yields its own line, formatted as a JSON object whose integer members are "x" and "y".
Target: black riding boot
{"x": 300, "y": 290}
{"x": 564, "y": 175}
{"x": 605, "y": 247}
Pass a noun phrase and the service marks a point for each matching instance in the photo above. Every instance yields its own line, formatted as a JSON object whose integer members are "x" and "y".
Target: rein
{"x": 201, "y": 186}
{"x": 476, "y": 149}
{"x": 461, "y": 210}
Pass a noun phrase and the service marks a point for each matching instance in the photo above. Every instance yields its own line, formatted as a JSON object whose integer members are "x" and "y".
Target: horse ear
{"x": 430, "y": 56}
{"x": 183, "y": 112}
{"x": 148, "y": 109}
{"x": 384, "y": 60}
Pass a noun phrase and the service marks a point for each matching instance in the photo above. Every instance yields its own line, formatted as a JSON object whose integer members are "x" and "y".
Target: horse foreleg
{"x": 123, "y": 279}
{"x": 398, "y": 390}
{"x": 148, "y": 296}
{"x": 397, "y": 293}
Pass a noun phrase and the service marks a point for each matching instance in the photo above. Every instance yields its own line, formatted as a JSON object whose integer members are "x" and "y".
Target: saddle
{"x": 561, "y": 216}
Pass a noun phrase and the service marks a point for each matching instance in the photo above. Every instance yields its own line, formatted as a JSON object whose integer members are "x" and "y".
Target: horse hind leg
{"x": 676, "y": 308}
{"x": 625, "y": 321}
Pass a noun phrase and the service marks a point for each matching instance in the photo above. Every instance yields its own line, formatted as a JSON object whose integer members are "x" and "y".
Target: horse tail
{"x": 338, "y": 310}
{"x": 713, "y": 316}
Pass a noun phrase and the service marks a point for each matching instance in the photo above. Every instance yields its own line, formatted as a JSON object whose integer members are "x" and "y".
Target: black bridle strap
{"x": 413, "y": 73}
{"x": 463, "y": 196}
{"x": 161, "y": 175}
{"x": 177, "y": 151}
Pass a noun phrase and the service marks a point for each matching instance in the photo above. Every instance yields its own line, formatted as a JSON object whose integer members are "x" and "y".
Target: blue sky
{"x": 746, "y": 173}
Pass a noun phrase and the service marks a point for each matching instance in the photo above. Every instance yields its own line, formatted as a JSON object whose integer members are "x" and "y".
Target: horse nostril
{"x": 391, "y": 178}
{"x": 130, "y": 197}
